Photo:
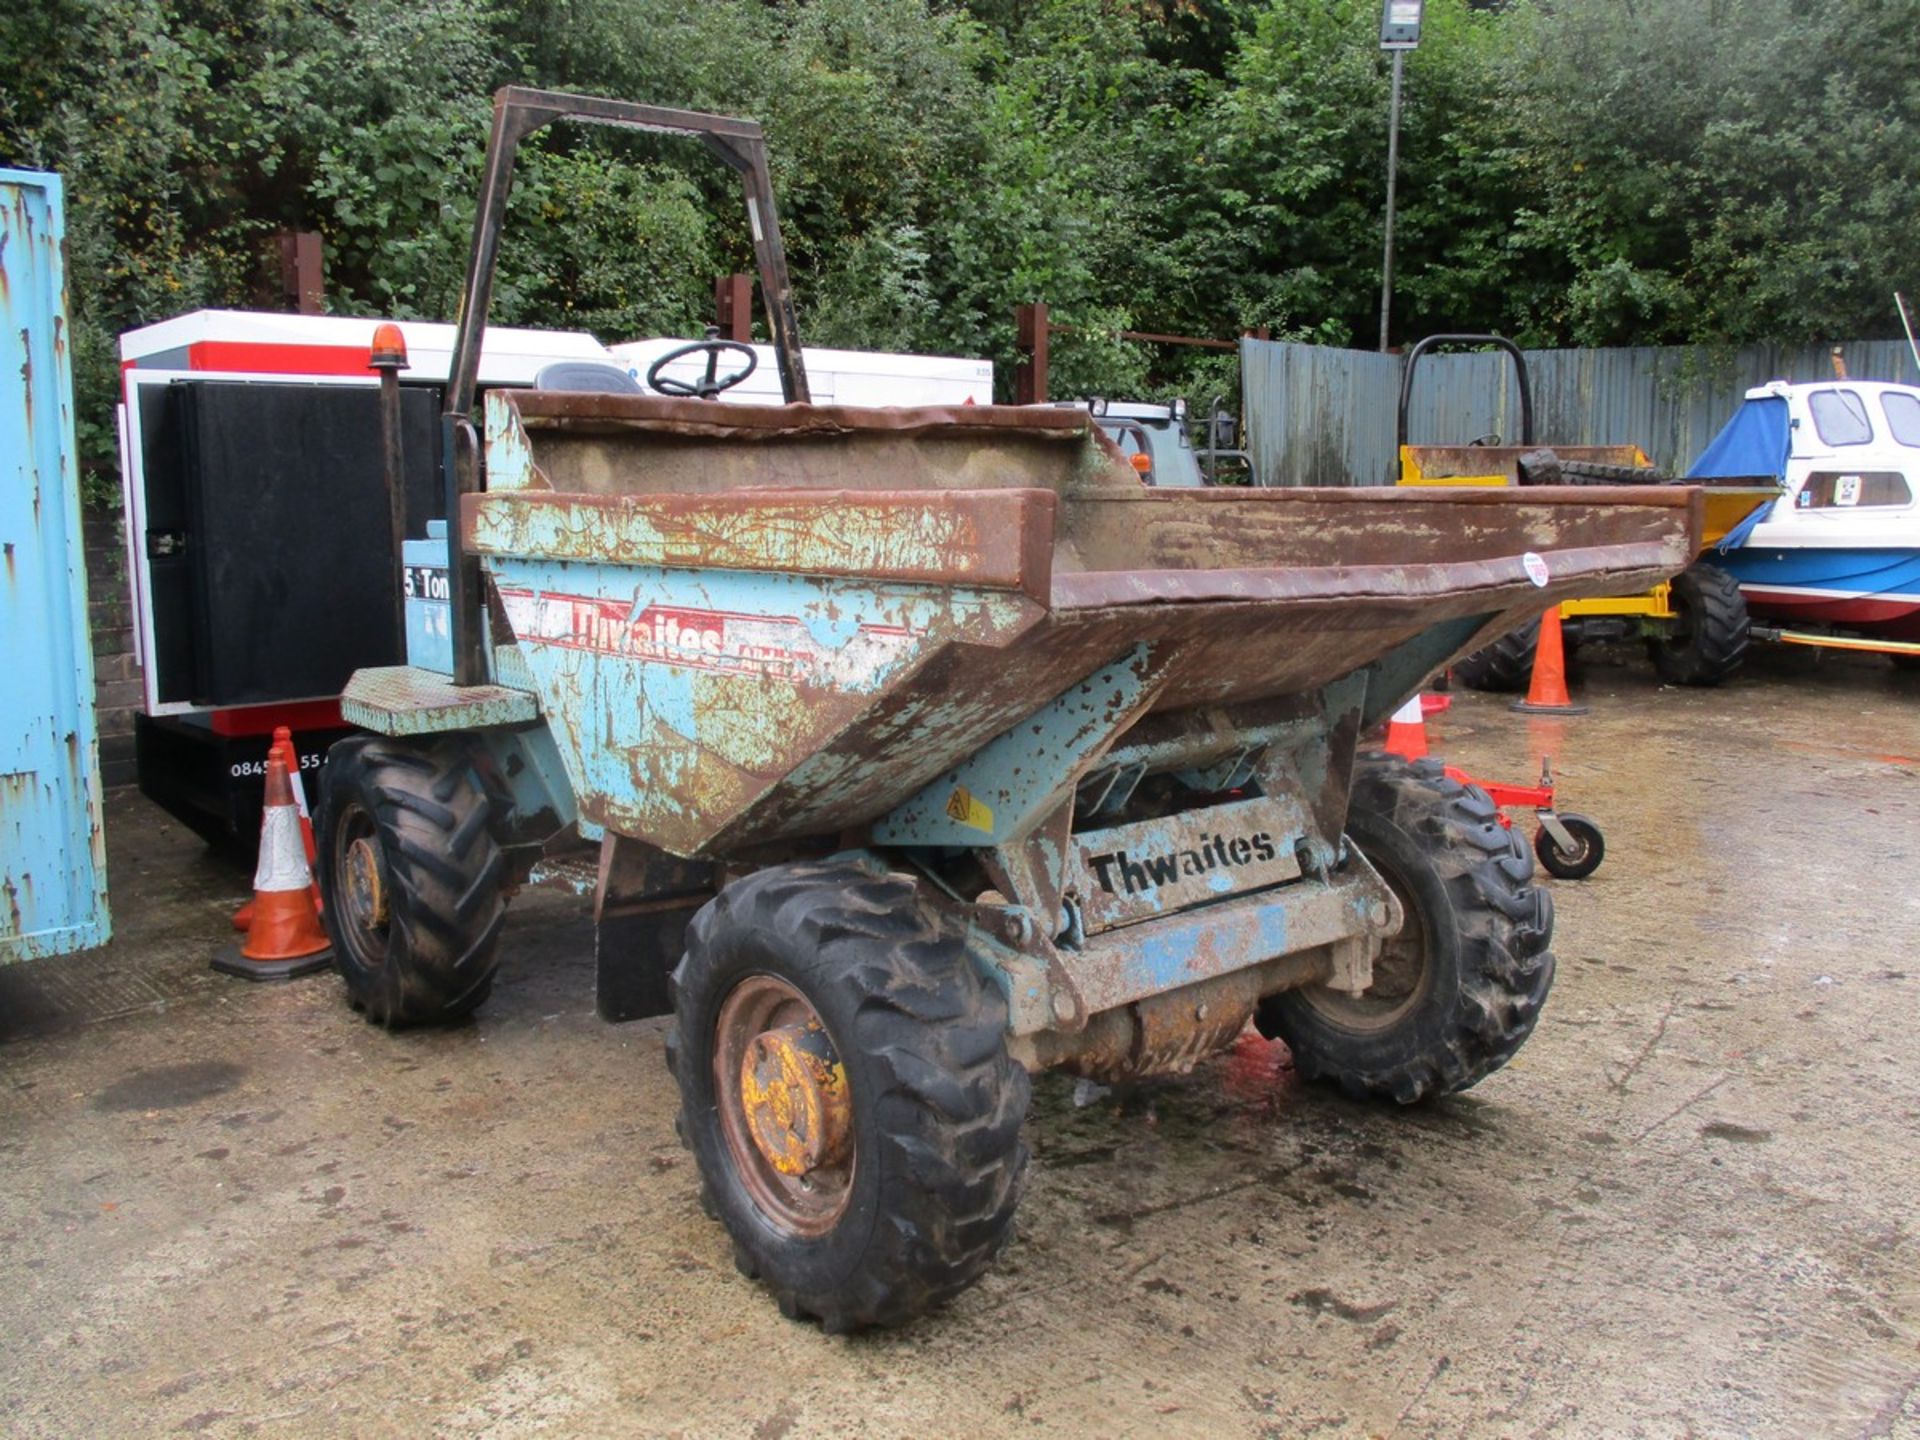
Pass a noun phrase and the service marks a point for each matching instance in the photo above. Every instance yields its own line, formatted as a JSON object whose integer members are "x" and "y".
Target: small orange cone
{"x": 283, "y": 743}
{"x": 1407, "y": 731}
{"x": 1547, "y": 691}
{"x": 283, "y": 747}
{"x": 285, "y": 938}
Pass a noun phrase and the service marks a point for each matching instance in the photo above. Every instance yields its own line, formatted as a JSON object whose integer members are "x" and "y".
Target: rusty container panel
{"x": 53, "y": 870}
{"x": 749, "y": 625}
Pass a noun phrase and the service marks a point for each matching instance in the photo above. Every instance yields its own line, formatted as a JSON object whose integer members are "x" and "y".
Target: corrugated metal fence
{"x": 1318, "y": 416}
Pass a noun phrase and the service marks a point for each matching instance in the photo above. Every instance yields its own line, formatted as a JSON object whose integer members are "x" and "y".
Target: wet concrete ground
{"x": 1688, "y": 1208}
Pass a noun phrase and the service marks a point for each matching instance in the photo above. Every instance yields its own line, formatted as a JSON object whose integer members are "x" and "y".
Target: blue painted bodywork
{"x": 997, "y": 793}
{"x": 53, "y": 869}
{"x": 429, "y": 613}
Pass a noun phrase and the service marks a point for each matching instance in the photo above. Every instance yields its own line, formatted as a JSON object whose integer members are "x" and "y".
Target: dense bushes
{"x": 1670, "y": 170}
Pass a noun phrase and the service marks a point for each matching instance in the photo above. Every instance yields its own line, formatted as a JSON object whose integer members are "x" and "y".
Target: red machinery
{"x": 1569, "y": 845}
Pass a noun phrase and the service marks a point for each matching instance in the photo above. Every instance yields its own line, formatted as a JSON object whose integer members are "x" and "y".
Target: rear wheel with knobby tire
{"x": 414, "y": 883}
{"x": 1457, "y": 990}
{"x": 1711, "y": 631}
{"x": 1505, "y": 666}
{"x": 846, "y": 1089}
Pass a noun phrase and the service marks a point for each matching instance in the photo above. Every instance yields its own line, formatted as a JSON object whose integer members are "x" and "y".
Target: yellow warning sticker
{"x": 963, "y": 807}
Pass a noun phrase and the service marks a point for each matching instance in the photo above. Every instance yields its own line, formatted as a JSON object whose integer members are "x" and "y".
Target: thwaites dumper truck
{"x": 929, "y": 748}
{"x": 1694, "y": 625}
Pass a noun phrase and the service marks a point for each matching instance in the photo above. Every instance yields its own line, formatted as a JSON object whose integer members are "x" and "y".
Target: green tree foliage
{"x": 1653, "y": 171}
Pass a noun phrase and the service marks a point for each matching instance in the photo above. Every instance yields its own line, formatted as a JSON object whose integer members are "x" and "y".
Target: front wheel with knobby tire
{"x": 1457, "y": 990}
{"x": 1589, "y": 849}
{"x": 414, "y": 883}
{"x": 1711, "y": 630}
{"x": 846, "y": 1089}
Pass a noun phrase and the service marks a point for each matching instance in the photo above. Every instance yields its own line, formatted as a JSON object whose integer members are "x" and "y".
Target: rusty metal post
{"x": 1030, "y": 338}
{"x": 301, "y": 283}
{"x": 389, "y": 357}
{"x": 517, "y": 113}
{"x": 733, "y": 307}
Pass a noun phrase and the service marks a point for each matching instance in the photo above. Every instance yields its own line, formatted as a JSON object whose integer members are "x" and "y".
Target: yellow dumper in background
{"x": 1695, "y": 626}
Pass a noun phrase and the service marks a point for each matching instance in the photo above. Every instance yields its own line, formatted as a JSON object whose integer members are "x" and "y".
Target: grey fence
{"x": 1318, "y": 416}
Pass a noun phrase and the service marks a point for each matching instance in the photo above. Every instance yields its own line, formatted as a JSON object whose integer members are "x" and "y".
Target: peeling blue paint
{"x": 53, "y": 864}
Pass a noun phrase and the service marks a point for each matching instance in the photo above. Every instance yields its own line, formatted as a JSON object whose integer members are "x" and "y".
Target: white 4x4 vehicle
{"x": 1159, "y": 442}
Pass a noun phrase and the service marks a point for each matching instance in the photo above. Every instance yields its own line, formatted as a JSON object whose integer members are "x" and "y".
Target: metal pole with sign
{"x": 1399, "y": 33}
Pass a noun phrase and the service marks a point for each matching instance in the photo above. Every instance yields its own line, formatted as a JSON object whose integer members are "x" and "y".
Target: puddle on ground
{"x": 166, "y": 1087}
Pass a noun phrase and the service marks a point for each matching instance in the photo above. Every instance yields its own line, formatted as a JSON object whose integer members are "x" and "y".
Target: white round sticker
{"x": 1536, "y": 568}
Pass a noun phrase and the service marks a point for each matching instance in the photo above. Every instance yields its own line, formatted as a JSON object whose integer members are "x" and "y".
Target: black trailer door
{"x": 282, "y": 536}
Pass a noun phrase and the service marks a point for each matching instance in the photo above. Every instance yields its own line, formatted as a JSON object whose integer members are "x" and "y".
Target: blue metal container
{"x": 53, "y": 863}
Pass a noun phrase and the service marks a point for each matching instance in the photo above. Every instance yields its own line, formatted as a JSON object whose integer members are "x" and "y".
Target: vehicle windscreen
{"x": 1173, "y": 459}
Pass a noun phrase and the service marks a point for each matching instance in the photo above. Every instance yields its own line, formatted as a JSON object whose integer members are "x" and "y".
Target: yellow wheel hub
{"x": 367, "y": 893}
{"x": 793, "y": 1090}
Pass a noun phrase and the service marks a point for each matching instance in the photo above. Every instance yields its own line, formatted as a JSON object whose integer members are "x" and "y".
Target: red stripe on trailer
{"x": 264, "y": 357}
{"x": 262, "y": 719}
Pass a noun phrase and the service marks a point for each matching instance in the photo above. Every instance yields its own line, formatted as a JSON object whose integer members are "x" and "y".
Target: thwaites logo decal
{"x": 1156, "y": 867}
{"x": 1120, "y": 872}
{"x": 718, "y": 641}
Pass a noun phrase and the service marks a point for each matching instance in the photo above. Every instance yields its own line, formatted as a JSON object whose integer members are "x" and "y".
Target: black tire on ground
{"x": 1457, "y": 992}
{"x": 1709, "y": 639}
{"x": 933, "y": 1157}
{"x": 413, "y": 881}
{"x": 1589, "y": 472}
{"x": 1590, "y": 848}
{"x": 1505, "y": 666}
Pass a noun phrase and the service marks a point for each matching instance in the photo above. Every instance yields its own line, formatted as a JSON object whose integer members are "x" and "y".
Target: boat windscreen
{"x": 1841, "y": 417}
{"x": 1903, "y": 416}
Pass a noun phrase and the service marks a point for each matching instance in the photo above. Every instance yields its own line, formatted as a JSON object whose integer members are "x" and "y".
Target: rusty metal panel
{"x": 1189, "y": 946}
{"x": 406, "y": 700}
{"x": 996, "y": 540}
{"x": 53, "y": 864}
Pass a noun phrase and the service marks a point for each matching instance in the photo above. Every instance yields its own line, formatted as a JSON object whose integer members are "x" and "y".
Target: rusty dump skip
{"x": 754, "y": 624}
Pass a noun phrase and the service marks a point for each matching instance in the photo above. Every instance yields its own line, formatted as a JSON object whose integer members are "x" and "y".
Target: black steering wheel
{"x": 1490, "y": 439}
{"x": 708, "y": 387}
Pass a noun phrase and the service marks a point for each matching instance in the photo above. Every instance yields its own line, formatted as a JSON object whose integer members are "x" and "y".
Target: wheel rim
{"x": 785, "y": 1110}
{"x": 360, "y": 902}
{"x": 1400, "y": 971}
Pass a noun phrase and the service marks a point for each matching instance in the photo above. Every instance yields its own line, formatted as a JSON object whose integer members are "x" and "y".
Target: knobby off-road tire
{"x": 1711, "y": 635}
{"x": 413, "y": 881}
{"x": 1591, "y": 472}
{"x": 936, "y": 1161}
{"x": 1504, "y": 667}
{"x": 1458, "y": 990}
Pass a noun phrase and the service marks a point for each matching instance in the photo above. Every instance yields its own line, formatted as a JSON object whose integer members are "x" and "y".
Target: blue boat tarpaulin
{"x": 1755, "y": 442}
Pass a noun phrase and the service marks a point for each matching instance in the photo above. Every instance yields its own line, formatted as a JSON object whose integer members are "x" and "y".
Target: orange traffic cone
{"x": 285, "y": 938}
{"x": 283, "y": 747}
{"x": 283, "y": 742}
{"x": 1547, "y": 691}
{"x": 1407, "y": 731}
